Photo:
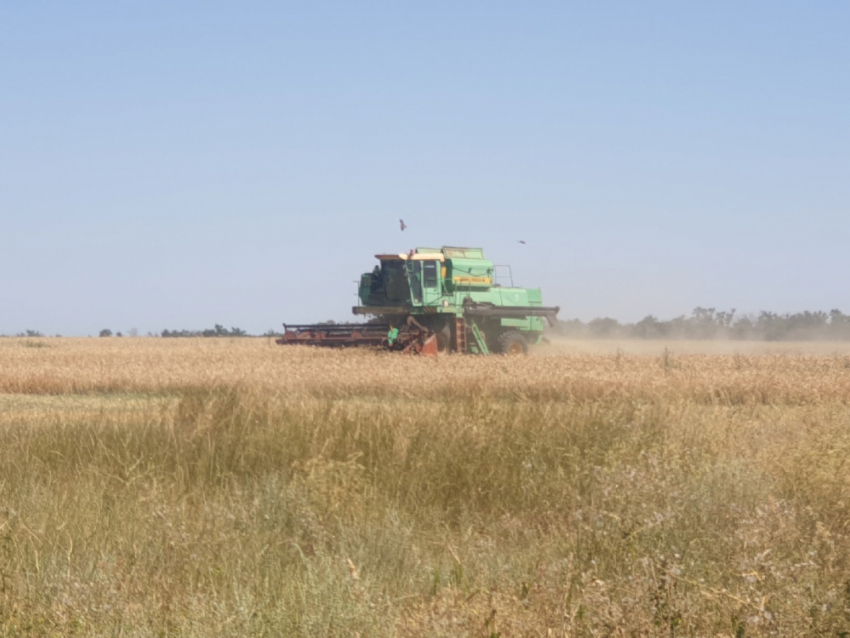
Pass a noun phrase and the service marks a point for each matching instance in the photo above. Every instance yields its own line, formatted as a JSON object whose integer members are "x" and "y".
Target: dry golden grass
{"x": 157, "y": 487}
{"x": 87, "y": 366}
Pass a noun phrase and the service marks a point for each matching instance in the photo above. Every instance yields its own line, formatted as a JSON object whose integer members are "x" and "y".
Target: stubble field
{"x": 206, "y": 487}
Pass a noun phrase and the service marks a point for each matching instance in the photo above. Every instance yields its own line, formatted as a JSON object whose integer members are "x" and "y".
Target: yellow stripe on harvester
{"x": 471, "y": 280}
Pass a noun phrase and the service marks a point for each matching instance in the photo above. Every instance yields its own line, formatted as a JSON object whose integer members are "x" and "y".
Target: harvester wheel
{"x": 513, "y": 343}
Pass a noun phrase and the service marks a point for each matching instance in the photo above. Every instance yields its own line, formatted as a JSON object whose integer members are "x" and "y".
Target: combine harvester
{"x": 434, "y": 300}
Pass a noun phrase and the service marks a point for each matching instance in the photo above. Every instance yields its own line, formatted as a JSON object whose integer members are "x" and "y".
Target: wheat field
{"x": 215, "y": 487}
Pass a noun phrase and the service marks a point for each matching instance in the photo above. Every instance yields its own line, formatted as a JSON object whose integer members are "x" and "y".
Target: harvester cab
{"x": 436, "y": 300}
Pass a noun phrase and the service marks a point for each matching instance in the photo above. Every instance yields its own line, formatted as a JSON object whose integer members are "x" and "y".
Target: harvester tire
{"x": 513, "y": 343}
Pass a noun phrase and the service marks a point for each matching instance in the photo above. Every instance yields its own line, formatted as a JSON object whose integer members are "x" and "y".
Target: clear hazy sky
{"x": 179, "y": 164}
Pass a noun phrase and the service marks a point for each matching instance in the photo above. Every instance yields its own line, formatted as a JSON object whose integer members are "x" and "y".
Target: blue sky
{"x": 174, "y": 165}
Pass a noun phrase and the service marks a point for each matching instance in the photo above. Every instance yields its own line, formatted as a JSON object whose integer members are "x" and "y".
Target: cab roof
{"x": 412, "y": 256}
{"x": 440, "y": 254}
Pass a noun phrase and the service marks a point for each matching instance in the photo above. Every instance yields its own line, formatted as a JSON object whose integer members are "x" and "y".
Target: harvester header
{"x": 433, "y": 300}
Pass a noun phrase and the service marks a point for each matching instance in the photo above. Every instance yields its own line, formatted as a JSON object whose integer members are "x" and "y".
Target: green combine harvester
{"x": 434, "y": 300}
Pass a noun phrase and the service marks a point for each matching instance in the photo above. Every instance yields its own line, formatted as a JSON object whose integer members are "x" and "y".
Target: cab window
{"x": 395, "y": 280}
{"x": 429, "y": 274}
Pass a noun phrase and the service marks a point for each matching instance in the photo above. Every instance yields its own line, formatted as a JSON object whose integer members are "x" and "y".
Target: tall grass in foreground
{"x": 243, "y": 512}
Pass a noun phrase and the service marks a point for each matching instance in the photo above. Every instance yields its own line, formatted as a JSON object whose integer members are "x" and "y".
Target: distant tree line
{"x": 217, "y": 331}
{"x": 708, "y": 323}
{"x": 703, "y": 323}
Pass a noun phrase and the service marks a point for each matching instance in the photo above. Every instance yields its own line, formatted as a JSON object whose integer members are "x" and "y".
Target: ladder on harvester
{"x": 479, "y": 339}
{"x": 460, "y": 335}
{"x": 461, "y": 344}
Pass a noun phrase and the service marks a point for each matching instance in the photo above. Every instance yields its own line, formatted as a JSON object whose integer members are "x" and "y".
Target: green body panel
{"x": 431, "y": 283}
